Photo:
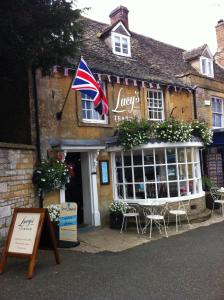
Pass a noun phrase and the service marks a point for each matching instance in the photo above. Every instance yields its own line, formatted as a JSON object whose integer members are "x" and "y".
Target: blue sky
{"x": 185, "y": 24}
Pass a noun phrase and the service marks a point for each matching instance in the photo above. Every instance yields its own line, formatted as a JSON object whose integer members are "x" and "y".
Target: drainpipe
{"x": 194, "y": 101}
{"x": 37, "y": 125}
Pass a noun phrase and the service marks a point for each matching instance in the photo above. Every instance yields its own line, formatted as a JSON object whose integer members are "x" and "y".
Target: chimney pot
{"x": 119, "y": 14}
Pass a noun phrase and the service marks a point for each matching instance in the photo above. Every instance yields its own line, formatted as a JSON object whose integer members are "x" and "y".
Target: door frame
{"x": 89, "y": 163}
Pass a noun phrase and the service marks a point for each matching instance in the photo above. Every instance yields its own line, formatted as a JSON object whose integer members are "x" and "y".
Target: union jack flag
{"x": 84, "y": 81}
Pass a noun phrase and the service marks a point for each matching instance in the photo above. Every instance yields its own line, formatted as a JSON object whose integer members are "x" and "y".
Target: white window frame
{"x": 196, "y": 181}
{"x": 221, "y": 112}
{"x": 209, "y": 71}
{"x": 100, "y": 119}
{"x": 155, "y": 109}
{"x": 121, "y": 36}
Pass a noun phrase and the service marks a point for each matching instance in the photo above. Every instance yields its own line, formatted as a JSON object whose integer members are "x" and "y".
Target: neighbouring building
{"x": 142, "y": 78}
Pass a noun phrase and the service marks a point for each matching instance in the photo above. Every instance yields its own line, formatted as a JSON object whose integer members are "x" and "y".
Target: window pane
{"x": 127, "y": 158}
{"x": 118, "y": 159}
{"x": 188, "y": 151}
{"x": 173, "y": 189}
{"x": 181, "y": 156}
{"x": 182, "y": 171}
{"x": 172, "y": 172}
{"x": 171, "y": 155}
{"x": 128, "y": 174}
{"x": 137, "y": 158}
{"x": 139, "y": 191}
{"x": 151, "y": 190}
{"x": 191, "y": 186}
{"x": 138, "y": 174}
{"x": 120, "y": 191}
{"x": 119, "y": 175}
{"x": 162, "y": 190}
{"x": 160, "y": 156}
{"x": 190, "y": 171}
{"x": 149, "y": 173}
{"x": 161, "y": 173}
{"x": 148, "y": 157}
{"x": 183, "y": 188}
{"x": 129, "y": 191}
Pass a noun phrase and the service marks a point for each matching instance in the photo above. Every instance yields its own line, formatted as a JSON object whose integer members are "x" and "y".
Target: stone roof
{"x": 150, "y": 59}
{"x": 194, "y": 53}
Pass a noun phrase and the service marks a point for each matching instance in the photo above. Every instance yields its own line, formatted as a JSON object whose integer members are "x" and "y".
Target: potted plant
{"x": 54, "y": 213}
{"x": 116, "y": 209}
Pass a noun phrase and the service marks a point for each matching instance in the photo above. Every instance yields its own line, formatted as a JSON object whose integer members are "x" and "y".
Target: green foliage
{"x": 201, "y": 130}
{"x": 133, "y": 133}
{"x": 117, "y": 207}
{"x": 51, "y": 174}
{"x": 173, "y": 131}
{"x": 206, "y": 183}
{"x": 39, "y": 33}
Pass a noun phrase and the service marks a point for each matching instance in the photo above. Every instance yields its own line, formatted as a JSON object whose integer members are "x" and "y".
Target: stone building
{"x": 142, "y": 78}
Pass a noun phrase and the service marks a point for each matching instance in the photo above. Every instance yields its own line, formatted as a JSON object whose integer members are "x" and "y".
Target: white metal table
{"x": 154, "y": 205}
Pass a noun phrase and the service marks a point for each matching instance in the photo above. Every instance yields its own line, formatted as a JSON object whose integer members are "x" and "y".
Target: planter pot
{"x": 115, "y": 220}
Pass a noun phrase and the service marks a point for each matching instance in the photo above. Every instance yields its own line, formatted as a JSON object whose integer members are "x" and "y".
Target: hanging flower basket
{"x": 51, "y": 174}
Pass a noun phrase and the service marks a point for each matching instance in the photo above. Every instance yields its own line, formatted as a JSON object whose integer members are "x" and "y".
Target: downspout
{"x": 201, "y": 151}
{"x": 37, "y": 125}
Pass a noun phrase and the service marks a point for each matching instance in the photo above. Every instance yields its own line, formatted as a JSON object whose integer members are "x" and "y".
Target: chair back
{"x": 127, "y": 208}
{"x": 159, "y": 209}
{"x": 214, "y": 193}
{"x": 184, "y": 205}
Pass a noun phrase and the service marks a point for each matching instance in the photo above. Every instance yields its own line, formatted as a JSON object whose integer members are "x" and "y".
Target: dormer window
{"x": 120, "y": 39}
{"x": 206, "y": 66}
{"x": 121, "y": 44}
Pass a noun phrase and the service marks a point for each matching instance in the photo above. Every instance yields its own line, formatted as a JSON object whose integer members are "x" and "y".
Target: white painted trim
{"x": 113, "y": 34}
{"x": 122, "y": 25}
{"x": 159, "y": 145}
{"x": 209, "y": 52}
{"x": 152, "y": 108}
{"x": 169, "y": 200}
{"x": 95, "y": 121}
{"x": 81, "y": 148}
{"x": 212, "y": 67}
{"x": 62, "y": 195}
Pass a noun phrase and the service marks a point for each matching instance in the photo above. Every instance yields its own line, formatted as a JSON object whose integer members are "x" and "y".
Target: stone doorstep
{"x": 111, "y": 240}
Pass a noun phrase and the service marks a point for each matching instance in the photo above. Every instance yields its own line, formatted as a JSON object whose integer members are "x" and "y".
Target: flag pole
{"x": 59, "y": 113}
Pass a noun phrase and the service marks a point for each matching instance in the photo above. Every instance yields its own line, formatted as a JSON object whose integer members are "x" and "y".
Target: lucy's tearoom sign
{"x": 28, "y": 227}
{"x": 126, "y": 103}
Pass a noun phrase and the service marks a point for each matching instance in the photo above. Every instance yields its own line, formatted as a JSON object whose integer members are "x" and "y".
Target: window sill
{"x": 94, "y": 124}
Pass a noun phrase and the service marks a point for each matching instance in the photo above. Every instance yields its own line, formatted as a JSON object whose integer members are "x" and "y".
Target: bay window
{"x": 155, "y": 173}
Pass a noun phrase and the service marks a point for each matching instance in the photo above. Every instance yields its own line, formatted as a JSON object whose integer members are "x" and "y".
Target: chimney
{"x": 119, "y": 14}
{"x": 219, "y": 56}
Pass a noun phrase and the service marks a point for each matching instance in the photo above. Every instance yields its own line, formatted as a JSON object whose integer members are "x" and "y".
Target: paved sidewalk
{"x": 106, "y": 239}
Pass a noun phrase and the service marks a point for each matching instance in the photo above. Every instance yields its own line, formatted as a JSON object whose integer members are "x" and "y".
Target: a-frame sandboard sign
{"x": 30, "y": 229}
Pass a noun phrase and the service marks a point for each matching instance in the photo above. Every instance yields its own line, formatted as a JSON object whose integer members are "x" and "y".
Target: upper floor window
{"x": 207, "y": 66}
{"x": 217, "y": 112}
{"x": 121, "y": 44}
{"x": 155, "y": 105}
{"x": 89, "y": 114}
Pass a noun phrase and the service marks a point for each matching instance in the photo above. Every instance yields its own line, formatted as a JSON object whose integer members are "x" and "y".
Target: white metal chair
{"x": 130, "y": 212}
{"x": 182, "y": 209}
{"x": 216, "y": 199}
{"x": 155, "y": 214}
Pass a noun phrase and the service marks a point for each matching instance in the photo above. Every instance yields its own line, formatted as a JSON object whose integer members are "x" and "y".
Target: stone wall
{"x": 16, "y": 188}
